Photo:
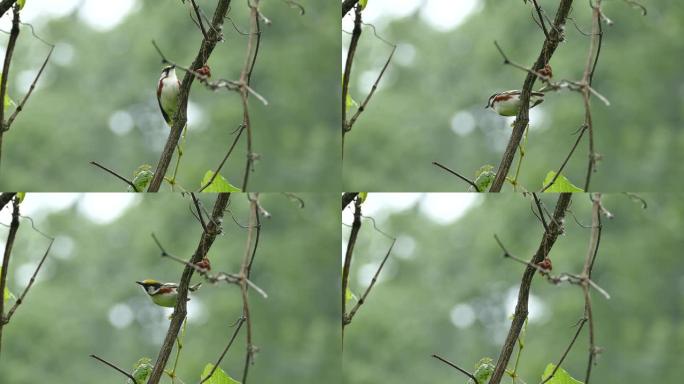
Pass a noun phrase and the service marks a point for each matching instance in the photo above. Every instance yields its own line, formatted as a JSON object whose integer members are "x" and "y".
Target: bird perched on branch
{"x": 508, "y": 103}
{"x": 163, "y": 294}
{"x": 168, "y": 91}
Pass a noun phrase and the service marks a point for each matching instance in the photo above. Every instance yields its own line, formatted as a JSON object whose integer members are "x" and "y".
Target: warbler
{"x": 508, "y": 103}
{"x": 163, "y": 294}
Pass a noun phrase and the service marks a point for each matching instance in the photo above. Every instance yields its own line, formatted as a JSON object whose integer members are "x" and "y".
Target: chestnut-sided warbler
{"x": 508, "y": 103}
{"x": 163, "y": 294}
{"x": 168, "y": 90}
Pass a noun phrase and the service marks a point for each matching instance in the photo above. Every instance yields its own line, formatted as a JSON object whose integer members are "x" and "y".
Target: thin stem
{"x": 467, "y": 180}
{"x": 115, "y": 367}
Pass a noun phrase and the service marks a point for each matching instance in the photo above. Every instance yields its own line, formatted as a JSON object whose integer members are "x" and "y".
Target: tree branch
{"x": 356, "y": 225}
{"x": 180, "y": 311}
{"x": 14, "y": 227}
{"x": 521, "y": 311}
{"x": 522, "y": 119}
{"x": 14, "y": 34}
{"x": 180, "y": 119}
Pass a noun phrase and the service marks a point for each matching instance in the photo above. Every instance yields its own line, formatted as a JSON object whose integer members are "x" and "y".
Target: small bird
{"x": 168, "y": 91}
{"x": 508, "y": 103}
{"x": 163, "y": 294}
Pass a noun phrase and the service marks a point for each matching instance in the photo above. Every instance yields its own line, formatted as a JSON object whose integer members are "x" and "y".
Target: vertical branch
{"x": 590, "y": 67}
{"x": 14, "y": 227}
{"x": 356, "y": 34}
{"x": 250, "y": 249}
{"x": 245, "y": 77}
{"x": 522, "y": 119}
{"x": 180, "y": 311}
{"x": 213, "y": 36}
{"x": 547, "y": 242}
{"x": 586, "y": 275}
{"x": 356, "y": 225}
{"x": 14, "y": 34}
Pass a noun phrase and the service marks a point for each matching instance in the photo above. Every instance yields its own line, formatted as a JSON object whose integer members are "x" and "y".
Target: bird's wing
{"x": 166, "y": 117}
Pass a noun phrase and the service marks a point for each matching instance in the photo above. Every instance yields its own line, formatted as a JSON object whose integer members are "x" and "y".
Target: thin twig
{"x": 30, "y": 283}
{"x": 567, "y": 158}
{"x": 225, "y": 350}
{"x": 592, "y": 251}
{"x": 199, "y": 19}
{"x": 125, "y": 180}
{"x": 253, "y": 43}
{"x": 541, "y": 19}
{"x": 223, "y": 162}
{"x": 567, "y": 350}
{"x": 115, "y": 367}
{"x": 463, "y": 371}
{"x": 244, "y": 274}
{"x": 356, "y": 307}
{"x": 590, "y": 68}
{"x": 467, "y": 180}
{"x": 362, "y": 107}
{"x": 20, "y": 107}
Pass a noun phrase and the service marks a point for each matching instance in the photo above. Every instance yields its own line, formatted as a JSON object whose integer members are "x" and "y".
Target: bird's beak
{"x": 140, "y": 282}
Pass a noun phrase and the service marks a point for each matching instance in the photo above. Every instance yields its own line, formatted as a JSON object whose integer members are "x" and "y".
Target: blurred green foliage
{"x": 436, "y": 77}
{"x": 65, "y": 124}
{"x": 90, "y": 278}
{"x": 440, "y": 271}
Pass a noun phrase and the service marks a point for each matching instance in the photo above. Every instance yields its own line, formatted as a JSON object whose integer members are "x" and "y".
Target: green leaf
{"x": 141, "y": 178}
{"x": 362, "y": 197}
{"x": 219, "y": 376}
{"x": 220, "y": 184}
{"x": 7, "y": 295}
{"x": 20, "y": 197}
{"x": 141, "y": 371}
{"x": 349, "y": 295}
{"x": 21, "y": 3}
{"x": 351, "y": 103}
{"x": 560, "y": 377}
{"x": 562, "y": 184}
{"x": 363, "y": 3}
{"x": 483, "y": 178}
{"x": 8, "y": 100}
{"x": 483, "y": 371}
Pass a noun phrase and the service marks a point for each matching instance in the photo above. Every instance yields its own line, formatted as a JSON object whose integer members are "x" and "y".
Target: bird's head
{"x": 168, "y": 71}
{"x": 150, "y": 285}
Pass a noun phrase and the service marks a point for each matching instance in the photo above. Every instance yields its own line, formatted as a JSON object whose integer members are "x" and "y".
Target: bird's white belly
{"x": 169, "y": 96}
{"x": 508, "y": 107}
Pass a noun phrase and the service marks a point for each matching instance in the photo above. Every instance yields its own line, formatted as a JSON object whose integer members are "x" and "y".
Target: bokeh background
{"x": 96, "y": 100}
{"x": 85, "y": 300}
{"x": 446, "y": 288}
{"x": 430, "y": 103}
